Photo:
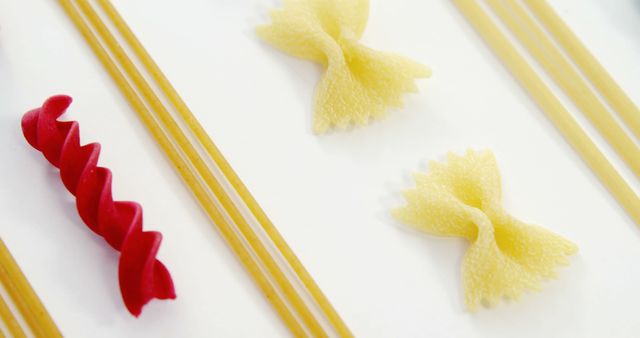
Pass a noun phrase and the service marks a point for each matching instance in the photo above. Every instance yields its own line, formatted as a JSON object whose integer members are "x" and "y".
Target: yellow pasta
{"x": 506, "y": 256}
{"x": 358, "y": 83}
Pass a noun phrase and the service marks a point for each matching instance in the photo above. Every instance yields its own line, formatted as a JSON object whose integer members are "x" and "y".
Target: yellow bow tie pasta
{"x": 358, "y": 83}
{"x": 506, "y": 256}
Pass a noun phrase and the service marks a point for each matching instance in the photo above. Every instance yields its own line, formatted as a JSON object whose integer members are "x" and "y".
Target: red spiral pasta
{"x": 142, "y": 277}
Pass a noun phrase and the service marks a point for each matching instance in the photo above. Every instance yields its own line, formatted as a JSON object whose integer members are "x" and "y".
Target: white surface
{"x": 330, "y": 195}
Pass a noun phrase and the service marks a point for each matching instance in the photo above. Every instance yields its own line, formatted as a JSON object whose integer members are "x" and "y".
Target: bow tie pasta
{"x": 506, "y": 256}
{"x": 358, "y": 83}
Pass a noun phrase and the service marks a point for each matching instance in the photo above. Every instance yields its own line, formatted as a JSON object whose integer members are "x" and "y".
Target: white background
{"x": 329, "y": 195}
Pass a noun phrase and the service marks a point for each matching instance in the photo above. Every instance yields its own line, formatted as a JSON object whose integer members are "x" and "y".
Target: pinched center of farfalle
{"x": 358, "y": 83}
{"x": 506, "y": 256}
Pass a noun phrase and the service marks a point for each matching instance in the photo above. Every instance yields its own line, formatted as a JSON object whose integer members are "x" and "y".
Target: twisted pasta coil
{"x": 142, "y": 277}
{"x": 506, "y": 256}
{"x": 358, "y": 83}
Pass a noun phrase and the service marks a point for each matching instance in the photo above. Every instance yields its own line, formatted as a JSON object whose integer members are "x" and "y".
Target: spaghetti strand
{"x": 224, "y": 166}
{"x": 174, "y": 130}
{"x": 552, "y": 107}
{"x": 589, "y": 65}
{"x": 549, "y": 56}
{"x": 34, "y": 313}
{"x": 10, "y": 321}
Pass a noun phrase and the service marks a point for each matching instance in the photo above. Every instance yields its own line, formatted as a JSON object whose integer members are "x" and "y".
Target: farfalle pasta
{"x": 358, "y": 83}
{"x": 506, "y": 256}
